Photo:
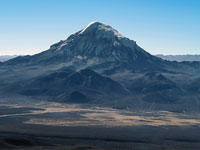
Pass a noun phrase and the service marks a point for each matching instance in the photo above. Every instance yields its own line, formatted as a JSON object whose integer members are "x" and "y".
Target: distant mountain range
{"x": 180, "y": 58}
{"x": 98, "y": 65}
{"x": 6, "y": 57}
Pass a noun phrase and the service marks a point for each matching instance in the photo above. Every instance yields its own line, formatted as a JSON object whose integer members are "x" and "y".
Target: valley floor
{"x": 48, "y": 125}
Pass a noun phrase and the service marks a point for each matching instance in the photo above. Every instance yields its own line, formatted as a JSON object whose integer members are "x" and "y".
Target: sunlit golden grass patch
{"x": 99, "y": 116}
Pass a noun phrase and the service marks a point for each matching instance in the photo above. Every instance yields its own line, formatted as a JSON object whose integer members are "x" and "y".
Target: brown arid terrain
{"x": 50, "y": 125}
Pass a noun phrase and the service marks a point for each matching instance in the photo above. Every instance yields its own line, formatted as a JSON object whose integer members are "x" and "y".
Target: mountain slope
{"x": 156, "y": 88}
{"x": 63, "y": 83}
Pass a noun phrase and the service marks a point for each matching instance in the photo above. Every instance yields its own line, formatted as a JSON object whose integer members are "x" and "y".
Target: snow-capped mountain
{"x": 98, "y": 40}
{"x": 94, "y": 44}
{"x": 99, "y": 65}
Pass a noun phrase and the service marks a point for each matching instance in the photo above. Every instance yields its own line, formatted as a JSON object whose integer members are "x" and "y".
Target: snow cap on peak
{"x": 101, "y": 29}
{"x": 92, "y": 26}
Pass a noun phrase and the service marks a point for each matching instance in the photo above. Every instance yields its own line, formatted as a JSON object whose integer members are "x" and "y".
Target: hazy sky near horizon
{"x": 158, "y": 26}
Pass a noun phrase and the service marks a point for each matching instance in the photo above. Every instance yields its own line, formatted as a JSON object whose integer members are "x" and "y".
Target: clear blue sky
{"x": 159, "y": 26}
